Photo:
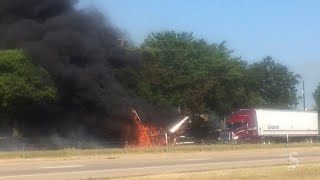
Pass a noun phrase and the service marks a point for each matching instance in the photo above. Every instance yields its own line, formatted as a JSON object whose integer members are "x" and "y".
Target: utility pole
{"x": 122, "y": 40}
{"x": 303, "y": 97}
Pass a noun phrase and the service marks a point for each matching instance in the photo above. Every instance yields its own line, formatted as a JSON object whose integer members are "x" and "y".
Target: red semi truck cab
{"x": 240, "y": 126}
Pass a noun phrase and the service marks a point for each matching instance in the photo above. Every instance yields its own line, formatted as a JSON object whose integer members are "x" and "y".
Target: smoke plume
{"x": 79, "y": 49}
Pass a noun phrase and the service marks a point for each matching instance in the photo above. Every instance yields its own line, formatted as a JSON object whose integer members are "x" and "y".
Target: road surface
{"x": 135, "y": 165}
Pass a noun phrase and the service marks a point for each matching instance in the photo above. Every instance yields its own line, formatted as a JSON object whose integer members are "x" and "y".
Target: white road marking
{"x": 61, "y": 167}
{"x": 149, "y": 167}
{"x": 199, "y": 159}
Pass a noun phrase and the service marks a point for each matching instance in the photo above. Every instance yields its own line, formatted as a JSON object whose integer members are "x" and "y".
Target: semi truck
{"x": 267, "y": 125}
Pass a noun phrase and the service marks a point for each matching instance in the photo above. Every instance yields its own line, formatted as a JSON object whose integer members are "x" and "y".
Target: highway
{"x": 135, "y": 165}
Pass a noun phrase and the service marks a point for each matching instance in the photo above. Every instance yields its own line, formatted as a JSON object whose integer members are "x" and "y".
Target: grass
{"x": 111, "y": 152}
{"x": 64, "y": 153}
{"x": 305, "y": 171}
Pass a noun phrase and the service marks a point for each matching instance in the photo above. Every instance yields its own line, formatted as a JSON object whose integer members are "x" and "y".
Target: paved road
{"x": 143, "y": 165}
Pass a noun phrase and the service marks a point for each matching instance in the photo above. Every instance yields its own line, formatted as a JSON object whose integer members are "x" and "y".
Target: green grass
{"x": 112, "y": 152}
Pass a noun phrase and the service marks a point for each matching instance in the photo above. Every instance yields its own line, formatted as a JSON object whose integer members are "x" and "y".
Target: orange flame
{"x": 147, "y": 135}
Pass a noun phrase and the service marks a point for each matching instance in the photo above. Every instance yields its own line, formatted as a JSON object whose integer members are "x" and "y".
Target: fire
{"x": 147, "y": 135}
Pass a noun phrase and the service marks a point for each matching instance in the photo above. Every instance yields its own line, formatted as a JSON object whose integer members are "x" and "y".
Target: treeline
{"x": 22, "y": 85}
{"x": 188, "y": 73}
{"x": 177, "y": 70}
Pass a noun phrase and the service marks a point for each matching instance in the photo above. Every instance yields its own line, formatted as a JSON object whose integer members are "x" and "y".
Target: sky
{"x": 287, "y": 30}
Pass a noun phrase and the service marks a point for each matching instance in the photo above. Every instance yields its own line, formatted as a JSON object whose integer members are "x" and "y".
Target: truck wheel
{"x": 238, "y": 141}
{"x": 263, "y": 140}
{"x": 311, "y": 140}
{"x": 269, "y": 140}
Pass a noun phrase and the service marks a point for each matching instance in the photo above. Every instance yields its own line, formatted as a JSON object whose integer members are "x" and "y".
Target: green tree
{"x": 22, "y": 83}
{"x": 316, "y": 96}
{"x": 275, "y": 84}
{"x": 180, "y": 70}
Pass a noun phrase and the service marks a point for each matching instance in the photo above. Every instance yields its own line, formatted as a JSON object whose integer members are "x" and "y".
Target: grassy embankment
{"x": 305, "y": 171}
{"x": 112, "y": 152}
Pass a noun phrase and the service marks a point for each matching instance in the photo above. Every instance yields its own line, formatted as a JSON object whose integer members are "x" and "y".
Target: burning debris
{"x": 178, "y": 126}
{"x": 148, "y": 135}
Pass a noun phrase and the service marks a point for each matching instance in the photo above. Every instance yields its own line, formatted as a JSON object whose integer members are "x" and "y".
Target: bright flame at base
{"x": 147, "y": 135}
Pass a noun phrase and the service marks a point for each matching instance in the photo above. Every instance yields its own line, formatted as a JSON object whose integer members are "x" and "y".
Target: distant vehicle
{"x": 263, "y": 125}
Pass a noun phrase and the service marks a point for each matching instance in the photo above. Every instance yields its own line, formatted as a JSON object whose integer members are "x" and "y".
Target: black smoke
{"x": 79, "y": 49}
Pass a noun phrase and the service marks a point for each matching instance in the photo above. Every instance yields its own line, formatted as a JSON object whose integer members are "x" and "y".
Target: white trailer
{"x": 284, "y": 123}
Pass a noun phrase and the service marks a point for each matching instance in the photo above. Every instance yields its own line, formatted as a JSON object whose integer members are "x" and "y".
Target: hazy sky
{"x": 288, "y": 30}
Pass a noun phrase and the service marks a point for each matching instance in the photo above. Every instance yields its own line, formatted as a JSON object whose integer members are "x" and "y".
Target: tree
{"x": 316, "y": 96}
{"x": 22, "y": 83}
{"x": 181, "y": 71}
{"x": 275, "y": 84}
